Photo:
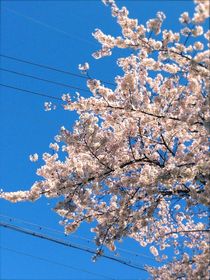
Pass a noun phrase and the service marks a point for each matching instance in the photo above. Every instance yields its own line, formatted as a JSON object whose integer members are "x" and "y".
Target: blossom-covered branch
{"x": 137, "y": 159}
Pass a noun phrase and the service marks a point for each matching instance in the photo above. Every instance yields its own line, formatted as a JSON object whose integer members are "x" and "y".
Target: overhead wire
{"x": 41, "y": 79}
{"x": 68, "y": 244}
{"x": 55, "y": 262}
{"x": 51, "y": 68}
{"x": 43, "y": 227}
{"x": 43, "y": 66}
{"x": 31, "y": 92}
{"x": 40, "y": 227}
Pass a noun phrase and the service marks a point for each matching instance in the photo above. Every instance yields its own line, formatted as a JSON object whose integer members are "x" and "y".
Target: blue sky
{"x": 58, "y": 34}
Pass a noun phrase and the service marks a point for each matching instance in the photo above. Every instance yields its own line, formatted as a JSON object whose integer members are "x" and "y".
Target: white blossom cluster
{"x": 137, "y": 161}
{"x": 83, "y": 67}
{"x": 34, "y": 157}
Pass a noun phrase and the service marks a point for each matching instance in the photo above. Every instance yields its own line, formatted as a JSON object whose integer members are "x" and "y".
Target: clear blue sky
{"x": 56, "y": 33}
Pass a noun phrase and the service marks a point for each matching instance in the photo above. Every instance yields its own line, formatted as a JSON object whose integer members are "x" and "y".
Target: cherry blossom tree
{"x": 137, "y": 159}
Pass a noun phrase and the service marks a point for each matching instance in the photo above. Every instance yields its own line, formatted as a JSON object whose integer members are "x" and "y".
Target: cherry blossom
{"x": 137, "y": 159}
{"x": 34, "y": 157}
{"x": 84, "y": 67}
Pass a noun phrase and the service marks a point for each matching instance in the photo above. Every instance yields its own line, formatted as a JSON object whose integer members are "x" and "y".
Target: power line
{"x": 67, "y": 244}
{"x": 32, "y": 92}
{"x": 43, "y": 66}
{"x": 51, "y": 68}
{"x": 41, "y": 79}
{"x": 55, "y": 262}
{"x": 45, "y": 228}
{"x": 40, "y": 227}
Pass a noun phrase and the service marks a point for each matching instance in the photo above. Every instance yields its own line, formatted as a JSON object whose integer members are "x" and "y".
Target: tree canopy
{"x": 137, "y": 159}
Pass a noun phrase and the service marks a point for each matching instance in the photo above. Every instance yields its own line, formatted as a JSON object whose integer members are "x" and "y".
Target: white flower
{"x": 54, "y": 146}
{"x": 48, "y": 106}
{"x": 198, "y": 31}
{"x": 34, "y": 157}
{"x": 84, "y": 67}
{"x": 108, "y": 2}
{"x": 184, "y": 18}
{"x": 198, "y": 46}
{"x": 177, "y": 207}
{"x": 161, "y": 16}
{"x": 66, "y": 97}
{"x": 207, "y": 35}
{"x": 154, "y": 251}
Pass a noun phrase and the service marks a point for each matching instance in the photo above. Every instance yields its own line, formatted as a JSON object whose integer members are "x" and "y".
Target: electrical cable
{"x": 40, "y": 227}
{"x": 67, "y": 244}
{"x": 55, "y": 262}
{"x": 41, "y": 79}
{"x": 51, "y": 68}
{"x": 32, "y": 92}
{"x": 44, "y": 227}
